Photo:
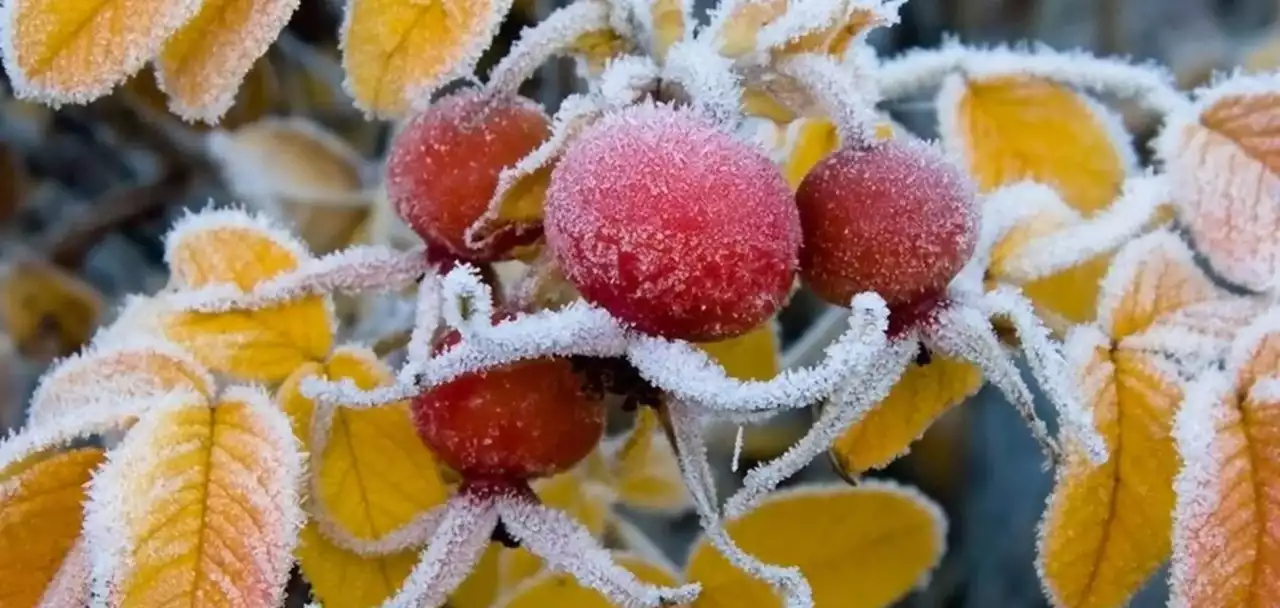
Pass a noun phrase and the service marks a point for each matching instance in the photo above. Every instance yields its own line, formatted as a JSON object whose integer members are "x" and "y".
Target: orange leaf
{"x": 62, "y": 51}
{"x": 1105, "y": 529}
{"x": 1222, "y": 157}
{"x": 48, "y": 311}
{"x": 198, "y": 505}
{"x": 230, "y": 247}
{"x": 1226, "y": 546}
{"x": 202, "y": 66}
{"x": 999, "y": 125}
{"x": 41, "y": 506}
{"x": 923, "y": 394}
{"x": 890, "y": 536}
{"x": 1152, "y": 276}
{"x": 396, "y": 52}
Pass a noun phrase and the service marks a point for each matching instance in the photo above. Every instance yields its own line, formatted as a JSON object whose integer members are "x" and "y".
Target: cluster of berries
{"x": 676, "y": 227}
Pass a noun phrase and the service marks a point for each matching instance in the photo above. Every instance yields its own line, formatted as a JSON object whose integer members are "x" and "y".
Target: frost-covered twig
{"x": 846, "y": 92}
{"x": 358, "y": 269}
{"x": 465, "y": 526}
{"x": 551, "y": 36}
{"x": 707, "y": 77}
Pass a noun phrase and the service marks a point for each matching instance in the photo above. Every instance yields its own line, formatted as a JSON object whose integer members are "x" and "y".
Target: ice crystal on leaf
{"x": 240, "y": 436}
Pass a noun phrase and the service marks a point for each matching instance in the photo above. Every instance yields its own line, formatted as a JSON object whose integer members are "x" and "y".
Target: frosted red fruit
{"x": 443, "y": 167}
{"x": 895, "y": 217}
{"x": 508, "y": 424}
{"x": 673, "y": 225}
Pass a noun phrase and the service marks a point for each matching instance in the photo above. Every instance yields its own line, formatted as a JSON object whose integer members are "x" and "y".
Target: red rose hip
{"x": 443, "y": 167}
{"x": 895, "y": 217}
{"x": 512, "y": 423}
{"x": 673, "y": 225}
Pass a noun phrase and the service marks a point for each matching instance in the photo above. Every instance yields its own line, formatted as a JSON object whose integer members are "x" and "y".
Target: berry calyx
{"x": 673, "y": 225}
{"x": 443, "y": 168}
{"x": 512, "y": 423}
{"x": 895, "y": 217}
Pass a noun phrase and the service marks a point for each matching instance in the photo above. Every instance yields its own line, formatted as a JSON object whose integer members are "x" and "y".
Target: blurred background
{"x": 87, "y": 192}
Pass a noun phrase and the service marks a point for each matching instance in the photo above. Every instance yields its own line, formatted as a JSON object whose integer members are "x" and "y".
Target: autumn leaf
{"x": 999, "y": 126}
{"x": 745, "y": 27}
{"x": 372, "y": 474}
{"x": 671, "y": 19}
{"x": 1104, "y": 530}
{"x": 199, "y": 501}
{"x": 890, "y": 536}
{"x": 563, "y": 591}
{"x": 345, "y": 579}
{"x": 644, "y": 470}
{"x": 48, "y": 311}
{"x": 231, "y": 247}
{"x": 41, "y": 507}
{"x": 1226, "y": 549}
{"x": 60, "y": 51}
{"x": 1222, "y": 156}
{"x": 923, "y": 394}
{"x": 202, "y": 65}
{"x": 750, "y": 356}
{"x": 258, "y": 94}
{"x": 397, "y": 52}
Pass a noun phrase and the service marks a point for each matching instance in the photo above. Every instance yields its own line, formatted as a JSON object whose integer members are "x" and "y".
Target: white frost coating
{"x": 1047, "y": 364}
{"x": 1127, "y": 217}
{"x": 109, "y": 378}
{"x": 691, "y": 446}
{"x": 1076, "y": 423}
{"x": 963, "y": 332}
{"x": 428, "y": 312}
{"x": 1132, "y": 273}
{"x": 192, "y": 223}
{"x": 865, "y": 389}
{"x": 626, "y": 80}
{"x": 466, "y": 523}
{"x": 1198, "y": 335}
{"x": 576, "y": 113}
{"x": 1003, "y": 209}
{"x": 419, "y": 96}
{"x": 800, "y": 18}
{"x": 133, "y": 50}
{"x": 353, "y": 270}
{"x": 1250, "y": 340}
{"x": 707, "y": 77}
{"x": 920, "y": 70}
{"x": 689, "y": 374}
{"x": 71, "y": 587}
{"x": 845, "y": 91}
{"x": 567, "y": 546}
{"x": 467, "y": 295}
{"x": 738, "y": 439}
{"x": 118, "y": 501}
{"x": 641, "y": 12}
{"x": 1208, "y": 407}
{"x": 550, "y": 37}
{"x": 1168, "y": 144}
{"x": 59, "y": 431}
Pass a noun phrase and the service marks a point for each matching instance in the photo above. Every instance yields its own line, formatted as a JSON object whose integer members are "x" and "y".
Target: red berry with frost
{"x": 895, "y": 217}
{"x": 443, "y": 167}
{"x": 673, "y": 225}
{"x": 512, "y": 423}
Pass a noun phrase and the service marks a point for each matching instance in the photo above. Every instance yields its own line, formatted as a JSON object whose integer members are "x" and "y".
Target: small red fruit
{"x": 673, "y": 225}
{"x": 895, "y": 217}
{"x": 443, "y": 167}
{"x": 512, "y": 423}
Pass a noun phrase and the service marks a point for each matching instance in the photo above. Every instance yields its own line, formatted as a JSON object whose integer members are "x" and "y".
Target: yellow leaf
{"x": 127, "y": 378}
{"x": 230, "y": 247}
{"x": 1223, "y": 162}
{"x": 343, "y": 579}
{"x": 47, "y": 311}
{"x": 1226, "y": 548}
{"x": 74, "y": 51}
{"x": 751, "y": 356}
{"x": 374, "y": 474}
{"x": 480, "y": 588}
{"x": 836, "y": 38}
{"x": 309, "y": 172}
{"x": 203, "y": 64}
{"x": 1105, "y": 530}
{"x": 398, "y": 51}
{"x": 669, "y": 25}
{"x": 737, "y": 36}
{"x": 923, "y": 394}
{"x": 598, "y": 47}
{"x": 41, "y": 507}
{"x": 645, "y": 471}
{"x": 889, "y": 536}
{"x": 1150, "y": 277}
{"x": 199, "y": 505}
{"x": 563, "y": 591}
{"x": 809, "y": 140}
{"x": 999, "y": 125}
{"x": 257, "y": 96}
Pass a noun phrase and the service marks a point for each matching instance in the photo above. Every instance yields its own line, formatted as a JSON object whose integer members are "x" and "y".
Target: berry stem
{"x": 846, "y": 92}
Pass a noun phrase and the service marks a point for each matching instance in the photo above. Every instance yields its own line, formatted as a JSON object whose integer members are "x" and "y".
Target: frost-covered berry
{"x": 673, "y": 225}
{"x": 512, "y": 423}
{"x": 442, "y": 169}
{"x": 895, "y": 217}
